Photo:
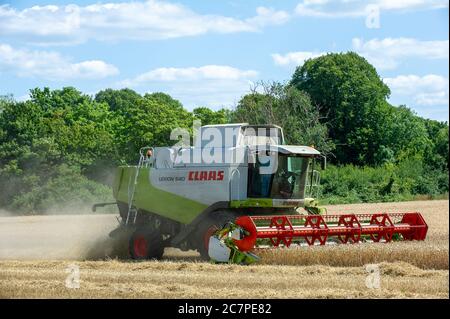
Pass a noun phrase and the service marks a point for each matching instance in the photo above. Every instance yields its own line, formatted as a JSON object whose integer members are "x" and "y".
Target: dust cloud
{"x": 47, "y": 237}
{"x": 65, "y": 235}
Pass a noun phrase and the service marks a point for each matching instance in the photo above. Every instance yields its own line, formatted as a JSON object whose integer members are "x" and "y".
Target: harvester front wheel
{"x": 208, "y": 227}
{"x": 146, "y": 244}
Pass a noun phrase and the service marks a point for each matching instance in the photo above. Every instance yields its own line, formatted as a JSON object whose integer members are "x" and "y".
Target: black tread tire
{"x": 154, "y": 244}
{"x": 216, "y": 219}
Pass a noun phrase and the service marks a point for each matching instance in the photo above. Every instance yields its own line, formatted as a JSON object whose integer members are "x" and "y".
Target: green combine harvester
{"x": 240, "y": 187}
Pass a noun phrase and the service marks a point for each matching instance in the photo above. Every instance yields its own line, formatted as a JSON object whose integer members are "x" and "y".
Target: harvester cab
{"x": 237, "y": 188}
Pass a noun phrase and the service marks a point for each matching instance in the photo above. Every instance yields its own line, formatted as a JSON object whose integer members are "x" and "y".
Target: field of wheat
{"x": 38, "y": 254}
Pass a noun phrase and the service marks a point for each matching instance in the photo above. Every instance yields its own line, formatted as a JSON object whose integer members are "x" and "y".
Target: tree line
{"x": 59, "y": 148}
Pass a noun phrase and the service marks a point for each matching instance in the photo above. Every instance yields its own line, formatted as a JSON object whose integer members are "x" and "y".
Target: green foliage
{"x": 437, "y": 152}
{"x": 66, "y": 190}
{"x": 142, "y": 121}
{"x": 287, "y": 107}
{"x": 119, "y": 101}
{"x": 350, "y": 95}
{"x": 405, "y": 181}
{"x": 408, "y": 155}
{"x": 38, "y": 136}
{"x": 208, "y": 116}
{"x": 54, "y": 127}
{"x": 56, "y": 147}
{"x": 151, "y": 122}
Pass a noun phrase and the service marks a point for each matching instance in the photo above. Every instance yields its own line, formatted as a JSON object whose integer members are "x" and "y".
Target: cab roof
{"x": 287, "y": 149}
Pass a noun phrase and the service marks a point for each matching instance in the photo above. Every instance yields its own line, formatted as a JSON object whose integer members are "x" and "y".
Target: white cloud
{"x": 152, "y": 19}
{"x": 267, "y": 16}
{"x": 388, "y": 53}
{"x": 50, "y": 65}
{"x": 210, "y": 85}
{"x": 213, "y": 94}
{"x": 384, "y": 54}
{"x": 411, "y": 4}
{"x": 425, "y": 90}
{"x": 295, "y": 58}
{"x": 360, "y": 8}
{"x": 207, "y": 72}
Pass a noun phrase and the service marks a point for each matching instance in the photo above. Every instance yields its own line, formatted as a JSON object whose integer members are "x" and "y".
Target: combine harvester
{"x": 240, "y": 190}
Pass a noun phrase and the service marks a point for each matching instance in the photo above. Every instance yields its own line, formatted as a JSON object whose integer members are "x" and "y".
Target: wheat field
{"x": 36, "y": 254}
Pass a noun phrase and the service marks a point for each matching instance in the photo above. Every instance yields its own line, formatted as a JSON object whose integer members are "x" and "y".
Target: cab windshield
{"x": 287, "y": 181}
{"x": 290, "y": 177}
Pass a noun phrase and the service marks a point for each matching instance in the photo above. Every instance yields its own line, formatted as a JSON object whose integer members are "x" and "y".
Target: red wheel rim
{"x": 211, "y": 230}
{"x": 140, "y": 246}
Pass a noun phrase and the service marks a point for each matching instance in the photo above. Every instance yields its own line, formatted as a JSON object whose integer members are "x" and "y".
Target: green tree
{"x": 164, "y": 99}
{"x": 119, "y": 101}
{"x": 53, "y": 128}
{"x": 80, "y": 127}
{"x": 407, "y": 133}
{"x": 208, "y": 116}
{"x": 437, "y": 153}
{"x": 150, "y": 122}
{"x": 122, "y": 104}
{"x": 350, "y": 95}
{"x": 142, "y": 120}
{"x": 287, "y": 107}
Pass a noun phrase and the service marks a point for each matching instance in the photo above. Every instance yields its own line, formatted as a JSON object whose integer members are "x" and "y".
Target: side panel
{"x": 203, "y": 184}
{"x": 152, "y": 199}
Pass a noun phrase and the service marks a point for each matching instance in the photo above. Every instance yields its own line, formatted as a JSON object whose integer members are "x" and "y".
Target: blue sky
{"x": 209, "y": 53}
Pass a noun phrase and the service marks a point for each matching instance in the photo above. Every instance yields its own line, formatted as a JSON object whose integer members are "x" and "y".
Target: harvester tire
{"x": 146, "y": 243}
{"x": 208, "y": 226}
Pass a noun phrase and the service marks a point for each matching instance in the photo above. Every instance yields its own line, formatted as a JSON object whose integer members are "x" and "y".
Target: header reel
{"x": 250, "y": 232}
